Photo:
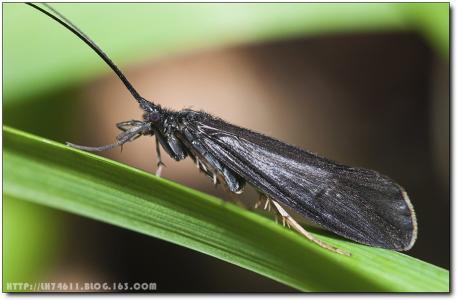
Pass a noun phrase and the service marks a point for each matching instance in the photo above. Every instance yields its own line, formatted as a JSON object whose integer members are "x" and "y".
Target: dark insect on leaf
{"x": 359, "y": 204}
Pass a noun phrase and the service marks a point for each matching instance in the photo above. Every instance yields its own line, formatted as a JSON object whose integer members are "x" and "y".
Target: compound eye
{"x": 154, "y": 117}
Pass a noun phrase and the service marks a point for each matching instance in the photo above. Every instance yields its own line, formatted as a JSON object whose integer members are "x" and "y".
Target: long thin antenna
{"x": 82, "y": 36}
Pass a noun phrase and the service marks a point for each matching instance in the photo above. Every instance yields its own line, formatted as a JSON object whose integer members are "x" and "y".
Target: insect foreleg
{"x": 129, "y": 135}
{"x": 127, "y": 125}
{"x": 160, "y": 163}
{"x": 287, "y": 219}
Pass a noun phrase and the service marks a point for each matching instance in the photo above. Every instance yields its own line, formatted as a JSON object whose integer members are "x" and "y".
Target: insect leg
{"x": 267, "y": 204}
{"x": 259, "y": 201}
{"x": 126, "y": 125}
{"x": 201, "y": 165}
{"x": 234, "y": 182}
{"x": 160, "y": 163}
{"x": 128, "y": 135}
{"x": 287, "y": 219}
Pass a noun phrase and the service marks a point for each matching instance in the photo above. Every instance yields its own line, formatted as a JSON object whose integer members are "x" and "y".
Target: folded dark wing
{"x": 359, "y": 204}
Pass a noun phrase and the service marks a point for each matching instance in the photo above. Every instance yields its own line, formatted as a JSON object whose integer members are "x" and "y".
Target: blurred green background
{"x": 364, "y": 84}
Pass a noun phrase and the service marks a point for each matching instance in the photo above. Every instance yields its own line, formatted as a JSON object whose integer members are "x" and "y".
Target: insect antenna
{"x": 58, "y": 17}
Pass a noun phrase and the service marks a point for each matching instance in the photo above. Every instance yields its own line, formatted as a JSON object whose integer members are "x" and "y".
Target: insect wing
{"x": 359, "y": 204}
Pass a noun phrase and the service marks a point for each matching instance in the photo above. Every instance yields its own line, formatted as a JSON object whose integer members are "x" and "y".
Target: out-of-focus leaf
{"x": 40, "y": 55}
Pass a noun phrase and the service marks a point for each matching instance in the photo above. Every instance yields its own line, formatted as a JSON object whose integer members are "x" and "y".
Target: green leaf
{"x": 51, "y": 174}
{"x": 29, "y": 226}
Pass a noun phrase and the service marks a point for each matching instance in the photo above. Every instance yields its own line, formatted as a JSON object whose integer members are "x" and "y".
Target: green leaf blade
{"x": 51, "y": 174}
